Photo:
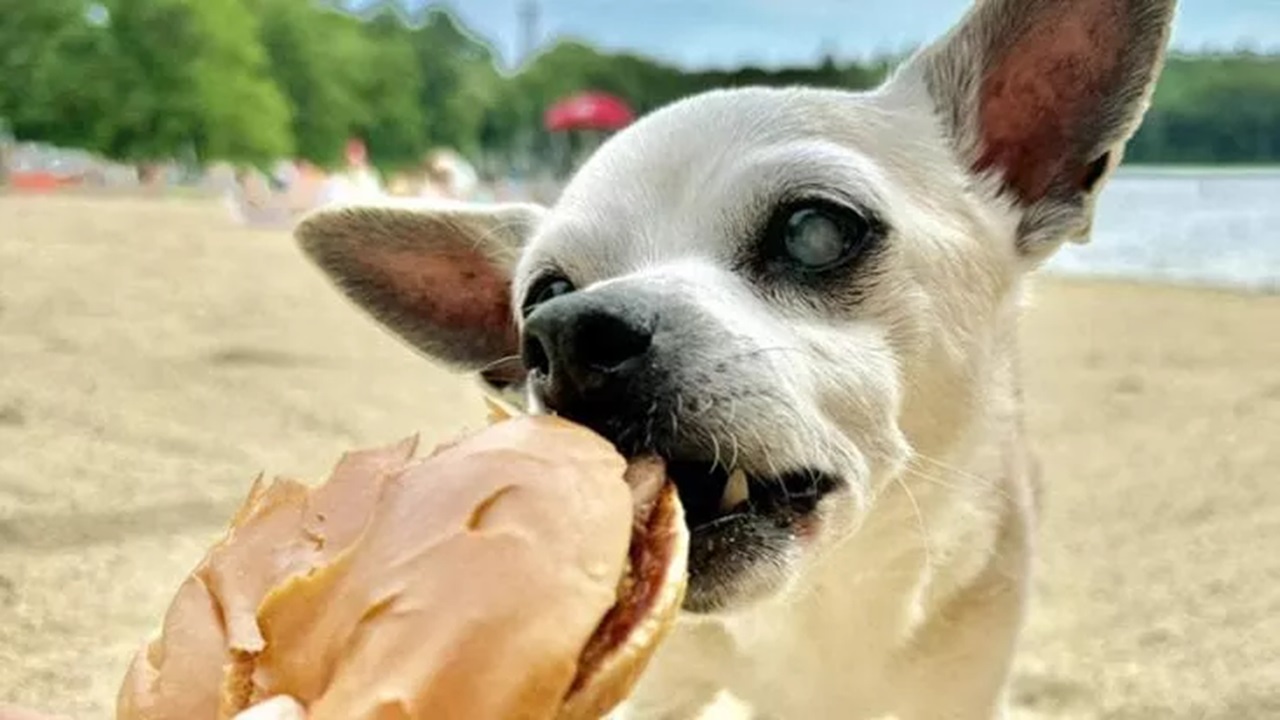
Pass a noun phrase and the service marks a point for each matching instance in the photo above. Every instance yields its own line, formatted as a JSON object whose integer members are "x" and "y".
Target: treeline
{"x": 252, "y": 81}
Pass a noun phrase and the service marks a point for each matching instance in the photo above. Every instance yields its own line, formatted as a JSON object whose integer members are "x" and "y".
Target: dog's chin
{"x": 745, "y": 540}
{"x": 736, "y": 562}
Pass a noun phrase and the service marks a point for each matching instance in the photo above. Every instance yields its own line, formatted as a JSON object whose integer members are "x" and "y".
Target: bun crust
{"x": 472, "y": 592}
{"x": 636, "y": 625}
{"x": 467, "y": 584}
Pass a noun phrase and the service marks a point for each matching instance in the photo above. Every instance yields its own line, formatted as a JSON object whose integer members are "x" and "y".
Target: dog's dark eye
{"x": 817, "y": 236}
{"x": 543, "y": 289}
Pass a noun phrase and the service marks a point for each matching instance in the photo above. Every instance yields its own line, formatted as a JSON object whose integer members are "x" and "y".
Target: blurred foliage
{"x": 1213, "y": 109}
{"x": 251, "y": 81}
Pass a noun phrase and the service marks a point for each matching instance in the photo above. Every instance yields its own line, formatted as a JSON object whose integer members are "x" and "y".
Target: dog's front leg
{"x": 965, "y": 654}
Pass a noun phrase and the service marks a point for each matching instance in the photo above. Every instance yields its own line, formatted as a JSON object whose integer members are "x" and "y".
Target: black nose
{"x": 587, "y": 347}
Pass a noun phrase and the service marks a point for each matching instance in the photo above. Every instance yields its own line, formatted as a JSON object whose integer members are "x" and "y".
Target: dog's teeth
{"x": 735, "y": 491}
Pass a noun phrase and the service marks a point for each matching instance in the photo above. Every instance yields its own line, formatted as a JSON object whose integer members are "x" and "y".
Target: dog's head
{"x": 784, "y": 292}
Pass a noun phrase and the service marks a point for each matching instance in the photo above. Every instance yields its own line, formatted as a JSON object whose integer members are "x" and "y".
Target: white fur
{"x": 908, "y": 598}
{"x": 913, "y": 382}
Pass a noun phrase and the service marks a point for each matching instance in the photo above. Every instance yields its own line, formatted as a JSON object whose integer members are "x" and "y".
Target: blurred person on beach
{"x": 222, "y": 178}
{"x": 358, "y": 181}
{"x": 307, "y": 187}
{"x": 448, "y": 175}
{"x": 283, "y": 174}
{"x": 258, "y": 200}
{"x": 433, "y": 178}
{"x": 436, "y": 182}
{"x": 254, "y": 188}
{"x": 402, "y": 184}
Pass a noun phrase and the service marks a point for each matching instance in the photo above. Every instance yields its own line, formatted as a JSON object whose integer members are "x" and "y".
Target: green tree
{"x": 1213, "y": 109}
{"x": 191, "y": 75}
{"x": 391, "y": 84}
{"x": 254, "y": 80}
{"x": 316, "y": 57}
{"x": 458, "y": 81}
{"x": 244, "y": 116}
{"x": 57, "y": 69}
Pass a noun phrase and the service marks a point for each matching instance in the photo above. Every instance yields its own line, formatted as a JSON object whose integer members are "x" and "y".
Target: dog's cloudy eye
{"x": 543, "y": 289}
{"x": 819, "y": 238}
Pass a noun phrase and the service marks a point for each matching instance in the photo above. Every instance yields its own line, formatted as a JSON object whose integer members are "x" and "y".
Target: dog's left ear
{"x": 1041, "y": 97}
{"x": 438, "y": 275}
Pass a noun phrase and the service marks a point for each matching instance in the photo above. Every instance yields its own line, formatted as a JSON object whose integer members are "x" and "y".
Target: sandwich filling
{"x": 645, "y": 588}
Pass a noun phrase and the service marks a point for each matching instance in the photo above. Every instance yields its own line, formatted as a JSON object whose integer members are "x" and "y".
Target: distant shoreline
{"x": 1147, "y": 278}
{"x": 1155, "y": 169}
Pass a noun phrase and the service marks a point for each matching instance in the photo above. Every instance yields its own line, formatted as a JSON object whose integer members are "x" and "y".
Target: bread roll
{"x": 510, "y": 574}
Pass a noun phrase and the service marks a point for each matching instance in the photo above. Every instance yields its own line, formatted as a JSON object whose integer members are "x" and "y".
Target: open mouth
{"x": 742, "y": 528}
{"x": 712, "y": 494}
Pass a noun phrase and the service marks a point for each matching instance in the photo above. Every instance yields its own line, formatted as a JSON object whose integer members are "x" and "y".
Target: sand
{"x": 154, "y": 358}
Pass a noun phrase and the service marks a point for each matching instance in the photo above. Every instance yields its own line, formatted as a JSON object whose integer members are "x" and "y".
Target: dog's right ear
{"x": 437, "y": 274}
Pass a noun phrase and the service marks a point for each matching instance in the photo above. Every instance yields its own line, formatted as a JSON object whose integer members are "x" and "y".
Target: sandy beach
{"x": 154, "y": 358}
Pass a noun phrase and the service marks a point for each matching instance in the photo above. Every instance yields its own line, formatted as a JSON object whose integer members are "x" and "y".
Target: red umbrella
{"x": 588, "y": 111}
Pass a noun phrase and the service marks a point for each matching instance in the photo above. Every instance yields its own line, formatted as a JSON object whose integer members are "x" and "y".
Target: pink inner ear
{"x": 1044, "y": 88}
{"x": 457, "y": 290}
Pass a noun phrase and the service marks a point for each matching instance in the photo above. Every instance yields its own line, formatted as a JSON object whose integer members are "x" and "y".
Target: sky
{"x": 723, "y": 33}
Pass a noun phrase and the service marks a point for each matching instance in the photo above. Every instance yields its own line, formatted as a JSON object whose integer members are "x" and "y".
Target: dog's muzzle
{"x": 630, "y": 364}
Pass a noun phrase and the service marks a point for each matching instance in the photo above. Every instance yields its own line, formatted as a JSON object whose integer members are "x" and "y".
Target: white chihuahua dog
{"x": 806, "y": 301}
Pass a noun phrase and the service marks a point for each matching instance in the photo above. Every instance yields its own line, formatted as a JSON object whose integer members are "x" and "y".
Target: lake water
{"x": 1205, "y": 227}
